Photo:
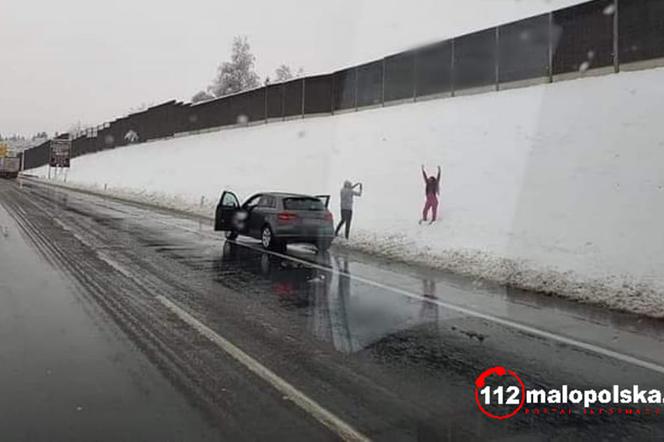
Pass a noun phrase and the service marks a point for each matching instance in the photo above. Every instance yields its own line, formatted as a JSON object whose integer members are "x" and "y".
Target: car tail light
{"x": 286, "y": 217}
{"x": 328, "y": 216}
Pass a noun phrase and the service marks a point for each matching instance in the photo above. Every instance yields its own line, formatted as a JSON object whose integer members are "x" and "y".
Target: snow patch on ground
{"x": 557, "y": 188}
{"x": 618, "y": 292}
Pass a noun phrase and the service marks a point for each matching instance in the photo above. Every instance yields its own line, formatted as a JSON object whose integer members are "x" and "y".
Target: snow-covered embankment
{"x": 558, "y": 188}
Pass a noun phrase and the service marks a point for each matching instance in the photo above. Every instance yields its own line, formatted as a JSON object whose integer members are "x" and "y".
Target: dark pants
{"x": 346, "y": 217}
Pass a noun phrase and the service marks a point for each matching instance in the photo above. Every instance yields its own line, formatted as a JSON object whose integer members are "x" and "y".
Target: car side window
{"x": 229, "y": 200}
{"x": 253, "y": 202}
{"x": 267, "y": 201}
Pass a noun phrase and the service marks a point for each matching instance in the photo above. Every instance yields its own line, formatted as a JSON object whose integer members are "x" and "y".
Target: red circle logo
{"x": 480, "y": 383}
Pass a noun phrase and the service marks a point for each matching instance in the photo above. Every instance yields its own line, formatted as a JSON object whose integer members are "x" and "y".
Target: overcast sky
{"x": 91, "y": 61}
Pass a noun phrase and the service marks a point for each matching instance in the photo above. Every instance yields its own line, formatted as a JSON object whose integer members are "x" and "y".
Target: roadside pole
{"x": 60, "y": 156}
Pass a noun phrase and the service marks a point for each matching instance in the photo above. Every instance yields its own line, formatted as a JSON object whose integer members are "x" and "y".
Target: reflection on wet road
{"x": 391, "y": 350}
{"x": 349, "y": 315}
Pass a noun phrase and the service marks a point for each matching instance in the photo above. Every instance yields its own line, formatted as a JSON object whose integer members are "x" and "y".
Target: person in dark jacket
{"x": 432, "y": 190}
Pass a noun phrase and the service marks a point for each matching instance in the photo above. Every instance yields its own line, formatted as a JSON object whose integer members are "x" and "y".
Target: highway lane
{"x": 67, "y": 372}
{"x": 391, "y": 351}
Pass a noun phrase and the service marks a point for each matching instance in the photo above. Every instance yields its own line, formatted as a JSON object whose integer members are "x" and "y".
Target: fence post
{"x": 333, "y": 89}
{"x": 497, "y": 58}
{"x": 266, "y": 114}
{"x": 303, "y": 96}
{"x": 452, "y": 69}
{"x": 415, "y": 75}
{"x": 616, "y": 36}
{"x": 355, "y": 103}
{"x": 550, "y": 47}
{"x": 382, "y": 93}
{"x": 283, "y": 101}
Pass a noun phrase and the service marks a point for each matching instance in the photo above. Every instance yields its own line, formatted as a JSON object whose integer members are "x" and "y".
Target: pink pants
{"x": 432, "y": 203}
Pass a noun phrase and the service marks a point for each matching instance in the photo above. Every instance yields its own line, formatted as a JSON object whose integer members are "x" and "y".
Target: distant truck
{"x": 9, "y": 167}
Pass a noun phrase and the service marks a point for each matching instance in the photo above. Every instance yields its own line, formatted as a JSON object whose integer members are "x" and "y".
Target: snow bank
{"x": 557, "y": 188}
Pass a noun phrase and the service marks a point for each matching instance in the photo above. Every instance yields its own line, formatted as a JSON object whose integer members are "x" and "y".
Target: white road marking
{"x": 498, "y": 320}
{"x": 322, "y": 415}
{"x": 506, "y": 322}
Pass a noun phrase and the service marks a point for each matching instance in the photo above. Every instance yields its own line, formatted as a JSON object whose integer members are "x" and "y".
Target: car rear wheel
{"x": 267, "y": 238}
{"x": 269, "y": 242}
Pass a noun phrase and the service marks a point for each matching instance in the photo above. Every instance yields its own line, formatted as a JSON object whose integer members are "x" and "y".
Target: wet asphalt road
{"x": 90, "y": 353}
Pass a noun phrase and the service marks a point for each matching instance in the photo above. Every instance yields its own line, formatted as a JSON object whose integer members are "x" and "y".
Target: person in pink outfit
{"x": 432, "y": 189}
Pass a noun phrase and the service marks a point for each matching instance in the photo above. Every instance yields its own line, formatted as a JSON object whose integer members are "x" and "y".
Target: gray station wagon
{"x": 277, "y": 219}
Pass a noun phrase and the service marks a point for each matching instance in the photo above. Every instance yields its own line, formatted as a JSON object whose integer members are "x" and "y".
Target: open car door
{"x": 325, "y": 199}
{"x": 228, "y": 207}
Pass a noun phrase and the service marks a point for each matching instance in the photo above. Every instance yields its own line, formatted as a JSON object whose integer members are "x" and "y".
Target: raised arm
{"x": 357, "y": 192}
{"x": 424, "y": 174}
{"x": 438, "y": 177}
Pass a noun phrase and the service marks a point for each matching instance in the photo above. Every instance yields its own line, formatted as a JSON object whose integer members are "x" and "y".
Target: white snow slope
{"x": 557, "y": 188}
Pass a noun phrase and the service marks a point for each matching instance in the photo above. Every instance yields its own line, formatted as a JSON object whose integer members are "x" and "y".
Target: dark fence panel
{"x": 78, "y": 146}
{"x": 246, "y": 107}
{"x": 83, "y": 145}
{"x": 345, "y": 88}
{"x": 196, "y": 117}
{"x": 37, "y": 156}
{"x": 293, "y": 98}
{"x": 524, "y": 49}
{"x": 157, "y": 121}
{"x": 569, "y": 40}
{"x": 255, "y": 102}
{"x": 182, "y": 114}
{"x": 167, "y": 123}
{"x": 135, "y": 122}
{"x": 150, "y": 124}
{"x": 221, "y": 112}
{"x": 275, "y": 101}
{"x": 475, "y": 60}
{"x": 209, "y": 114}
{"x": 95, "y": 142}
{"x": 433, "y": 69}
{"x": 105, "y": 140}
{"x": 641, "y": 30}
{"x": 231, "y": 108}
{"x": 318, "y": 94}
{"x": 586, "y": 37}
{"x": 370, "y": 84}
{"x": 117, "y": 133}
{"x": 399, "y": 76}
{"x": 192, "y": 120}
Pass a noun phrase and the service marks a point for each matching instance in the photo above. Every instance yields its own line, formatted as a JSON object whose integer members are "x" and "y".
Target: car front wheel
{"x": 267, "y": 238}
{"x": 269, "y": 242}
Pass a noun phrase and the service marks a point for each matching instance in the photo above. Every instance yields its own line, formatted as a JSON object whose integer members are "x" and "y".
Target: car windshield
{"x": 304, "y": 203}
